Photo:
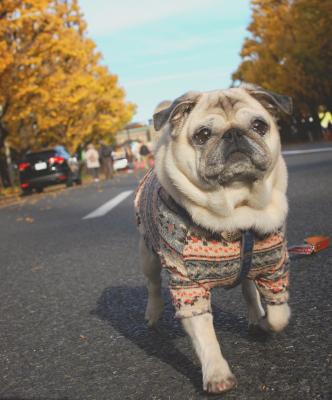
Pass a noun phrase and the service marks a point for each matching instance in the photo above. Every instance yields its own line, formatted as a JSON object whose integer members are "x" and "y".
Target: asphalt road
{"x": 72, "y": 304}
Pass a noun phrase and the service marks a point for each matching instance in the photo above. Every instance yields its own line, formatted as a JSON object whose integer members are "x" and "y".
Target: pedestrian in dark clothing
{"x": 106, "y": 159}
{"x": 144, "y": 152}
{"x": 129, "y": 157}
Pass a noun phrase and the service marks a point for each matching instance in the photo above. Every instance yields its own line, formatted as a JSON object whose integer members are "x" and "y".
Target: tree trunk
{"x": 3, "y": 134}
{"x": 4, "y": 172}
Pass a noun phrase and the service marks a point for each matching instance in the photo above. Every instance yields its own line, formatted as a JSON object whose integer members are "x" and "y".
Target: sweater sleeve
{"x": 273, "y": 284}
{"x": 189, "y": 297}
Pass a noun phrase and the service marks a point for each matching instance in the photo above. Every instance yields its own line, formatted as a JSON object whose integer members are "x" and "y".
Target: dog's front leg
{"x": 217, "y": 376}
{"x": 276, "y": 317}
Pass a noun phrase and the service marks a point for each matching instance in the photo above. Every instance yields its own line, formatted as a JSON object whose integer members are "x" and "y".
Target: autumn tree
{"x": 53, "y": 88}
{"x": 290, "y": 50}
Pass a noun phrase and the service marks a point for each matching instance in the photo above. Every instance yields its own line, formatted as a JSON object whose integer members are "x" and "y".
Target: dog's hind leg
{"x": 152, "y": 270}
{"x": 276, "y": 317}
{"x": 253, "y": 300}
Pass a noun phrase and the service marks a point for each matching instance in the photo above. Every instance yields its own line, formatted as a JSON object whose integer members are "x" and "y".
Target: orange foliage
{"x": 290, "y": 50}
{"x": 53, "y": 89}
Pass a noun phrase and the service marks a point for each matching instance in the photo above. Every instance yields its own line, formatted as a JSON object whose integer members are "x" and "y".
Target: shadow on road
{"x": 35, "y": 398}
{"x": 123, "y": 307}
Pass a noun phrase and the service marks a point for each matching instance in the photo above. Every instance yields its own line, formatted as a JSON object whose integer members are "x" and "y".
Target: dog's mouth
{"x": 237, "y": 156}
{"x": 225, "y": 164}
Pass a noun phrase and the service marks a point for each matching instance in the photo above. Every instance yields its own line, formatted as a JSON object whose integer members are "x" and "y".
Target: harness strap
{"x": 247, "y": 245}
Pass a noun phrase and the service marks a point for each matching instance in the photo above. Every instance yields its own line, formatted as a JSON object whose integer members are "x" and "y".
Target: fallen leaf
{"x": 45, "y": 208}
{"x": 36, "y": 268}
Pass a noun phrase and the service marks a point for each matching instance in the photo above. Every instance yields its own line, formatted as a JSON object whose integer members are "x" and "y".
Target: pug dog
{"x": 212, "y": 213}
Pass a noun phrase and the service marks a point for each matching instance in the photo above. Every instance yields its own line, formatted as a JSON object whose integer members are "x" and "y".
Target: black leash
{"x": 247, "y": 245}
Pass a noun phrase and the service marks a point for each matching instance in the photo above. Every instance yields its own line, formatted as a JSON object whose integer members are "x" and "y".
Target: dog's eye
{"x": 259, "y": 126}
{"x": 202, "y": 136}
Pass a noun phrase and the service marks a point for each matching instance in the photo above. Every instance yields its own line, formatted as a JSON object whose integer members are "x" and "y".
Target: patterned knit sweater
{"x": 197, "y": 260}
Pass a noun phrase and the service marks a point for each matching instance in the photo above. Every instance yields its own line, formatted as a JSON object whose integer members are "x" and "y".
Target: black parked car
{"x": 47, "y": 167}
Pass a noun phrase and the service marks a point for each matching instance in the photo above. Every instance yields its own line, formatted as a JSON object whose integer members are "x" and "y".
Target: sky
{"x": 160, "y": 49}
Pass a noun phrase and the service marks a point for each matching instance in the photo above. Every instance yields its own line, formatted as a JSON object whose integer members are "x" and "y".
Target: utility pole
{"x": 128, "y": 133}
{"x": 9, "y": 164}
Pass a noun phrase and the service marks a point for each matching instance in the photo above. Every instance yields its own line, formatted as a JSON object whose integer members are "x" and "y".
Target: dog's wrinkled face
{"x": 228, "y": 136}
{"x": 230, "y": 145}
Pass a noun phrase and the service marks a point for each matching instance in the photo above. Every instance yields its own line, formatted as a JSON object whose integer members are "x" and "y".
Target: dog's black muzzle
{"x": 234, "y": 156}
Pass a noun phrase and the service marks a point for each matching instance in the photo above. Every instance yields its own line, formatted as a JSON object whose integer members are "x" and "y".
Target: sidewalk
{"x": 9, "y": 199}
{"x": 9, "y": 195}
{"x": 306, "y": 146}
{"x": 16, "y": 198}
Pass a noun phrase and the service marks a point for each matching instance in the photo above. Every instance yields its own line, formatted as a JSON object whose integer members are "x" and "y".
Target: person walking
{"x": 106, "y": 159}
{"x": 145, "y": 154}
{"x": 92, "y": 162}
{"x": 130, "y": 157}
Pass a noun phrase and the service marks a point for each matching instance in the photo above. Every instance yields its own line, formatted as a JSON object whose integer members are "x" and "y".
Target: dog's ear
{"x": 270, "y": 100}
{"x": 176, "y": 112}
{"x": 162, "y": 106}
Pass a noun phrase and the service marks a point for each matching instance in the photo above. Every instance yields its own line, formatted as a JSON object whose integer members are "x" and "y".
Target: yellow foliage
{"x": 53, "y": 89}
{"x": 290, "y": 50}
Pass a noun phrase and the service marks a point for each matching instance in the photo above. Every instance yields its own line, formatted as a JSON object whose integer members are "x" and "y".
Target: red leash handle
{"x": 313, "y": 245}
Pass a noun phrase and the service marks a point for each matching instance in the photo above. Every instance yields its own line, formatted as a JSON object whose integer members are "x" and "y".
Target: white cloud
{"x": 159, "y": 46}
{"x": 164, "y": 61}
{"x": 106, "y": 16}
{"x": 212, "y": 72}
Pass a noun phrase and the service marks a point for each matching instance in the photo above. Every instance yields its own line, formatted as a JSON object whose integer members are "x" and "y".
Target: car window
{"x": 40, "y": 156}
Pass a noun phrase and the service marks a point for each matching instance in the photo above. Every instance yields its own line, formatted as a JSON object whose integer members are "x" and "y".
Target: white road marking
{"x": 108, "y": 206}
{"x": 294, "y": 152}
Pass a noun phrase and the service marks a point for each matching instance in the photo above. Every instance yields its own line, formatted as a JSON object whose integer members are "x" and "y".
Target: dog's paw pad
{"x": 222, "y": 386}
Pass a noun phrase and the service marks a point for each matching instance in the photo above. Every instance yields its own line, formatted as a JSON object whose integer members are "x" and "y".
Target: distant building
{"x": 145, "y": 134}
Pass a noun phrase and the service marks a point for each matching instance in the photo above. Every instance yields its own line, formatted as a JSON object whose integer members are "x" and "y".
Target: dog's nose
{"x": 233, "y": 134}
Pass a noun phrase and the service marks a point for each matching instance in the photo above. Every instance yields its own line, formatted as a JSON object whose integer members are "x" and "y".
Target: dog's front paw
{"x": 219, "y": 383}
{"x": 218, "y": 378}
{"x": 154, "y": 310}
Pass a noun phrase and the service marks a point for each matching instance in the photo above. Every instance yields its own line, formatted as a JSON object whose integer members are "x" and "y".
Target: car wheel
{"x": 39, "y": 189}
{"x": 69, "y": 182}
{"x": 26, "y": 192}
{"x": 79, "y": 181}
